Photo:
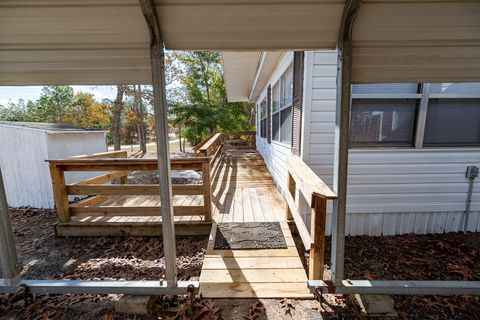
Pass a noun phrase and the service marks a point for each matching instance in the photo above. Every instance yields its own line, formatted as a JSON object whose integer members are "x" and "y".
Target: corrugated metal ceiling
{"x": 106, "y": 41}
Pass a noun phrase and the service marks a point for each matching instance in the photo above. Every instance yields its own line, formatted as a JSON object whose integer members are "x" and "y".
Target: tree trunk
{"x": 116, "y": 119}
{"x": 250, "y": 112}
{"x": 141, "y": 121}
{"x": 180, "y": 138}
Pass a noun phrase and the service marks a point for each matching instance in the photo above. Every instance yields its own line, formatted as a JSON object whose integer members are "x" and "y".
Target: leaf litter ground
{"x": 449, "y": 256}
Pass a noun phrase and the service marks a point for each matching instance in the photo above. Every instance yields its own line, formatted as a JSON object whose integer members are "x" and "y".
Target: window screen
{"x": 382, "y": 122}
{"x": 286, "y": 124}
{"x": 286, "y": 106}
{"x": 275, "y": 112}
{"x": 452, "y": 122}
{"x": 263, "y": 118}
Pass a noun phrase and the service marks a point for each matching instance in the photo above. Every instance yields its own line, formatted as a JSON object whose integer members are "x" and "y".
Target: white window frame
{"x": 423, "y": 98}
{"x": 282, "y": 106}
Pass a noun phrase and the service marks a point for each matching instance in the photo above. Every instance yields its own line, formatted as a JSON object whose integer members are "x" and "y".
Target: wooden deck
{"x": 242, "y": 191}
{"x": 240, "y": 188}
{"x": 245, "y": 192}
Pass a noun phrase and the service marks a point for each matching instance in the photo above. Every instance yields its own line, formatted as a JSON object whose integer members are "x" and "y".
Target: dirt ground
{"x": 449, "y": 256}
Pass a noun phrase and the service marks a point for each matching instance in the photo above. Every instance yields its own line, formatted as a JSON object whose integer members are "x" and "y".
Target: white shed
{"x": 26, "y": 146}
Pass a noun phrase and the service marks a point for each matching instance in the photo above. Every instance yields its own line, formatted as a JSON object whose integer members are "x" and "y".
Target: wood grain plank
{"x": 247, "y": 206}
{"x": 258, "y": 215}
{"x": 255, "y": 275}
{"x": 255, "y": 290}
{"x": 218, "y": 263}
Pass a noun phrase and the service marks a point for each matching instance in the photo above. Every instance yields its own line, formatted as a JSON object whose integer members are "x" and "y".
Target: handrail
{"x": 316, "y": 192}
{"x": 210, "y": 146}
{"x": 107, "y": 154}
{"x": 307, "y": 180}
{"x": 227, "y": 140}
{"x": 201, "y": 143}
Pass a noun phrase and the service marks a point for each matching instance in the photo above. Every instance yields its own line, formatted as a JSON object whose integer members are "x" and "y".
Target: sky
{"x": 33, "y": 93}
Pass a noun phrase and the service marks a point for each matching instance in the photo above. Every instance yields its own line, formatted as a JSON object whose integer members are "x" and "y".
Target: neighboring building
{"x": 410, "y": 143}
{"x": 26, "y": 146}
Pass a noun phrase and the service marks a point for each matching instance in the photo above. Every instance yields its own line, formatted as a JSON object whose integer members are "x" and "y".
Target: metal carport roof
{"x": 107, "y": 41}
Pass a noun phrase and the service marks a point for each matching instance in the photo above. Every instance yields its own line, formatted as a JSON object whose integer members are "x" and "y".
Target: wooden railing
{"x": 316, "y": 192}
{"x": 118, "y": 166}
{"x": 240, "y": 140}
{"x": 228, "y": 141}
{"x": 216, "y": 145}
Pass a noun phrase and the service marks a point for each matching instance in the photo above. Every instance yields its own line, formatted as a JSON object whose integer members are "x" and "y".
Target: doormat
{"x": 249, "y": 235}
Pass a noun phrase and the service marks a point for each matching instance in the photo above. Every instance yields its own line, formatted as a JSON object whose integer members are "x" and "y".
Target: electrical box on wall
{"x": 472, "y": 172}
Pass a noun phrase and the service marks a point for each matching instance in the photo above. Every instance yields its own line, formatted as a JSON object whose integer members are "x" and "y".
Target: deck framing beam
{"x": 157, "y": 60}
{"x": 342, "y": 126}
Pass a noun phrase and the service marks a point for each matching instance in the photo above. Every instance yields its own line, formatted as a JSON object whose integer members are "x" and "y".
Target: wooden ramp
{"x": 245, "y": 192}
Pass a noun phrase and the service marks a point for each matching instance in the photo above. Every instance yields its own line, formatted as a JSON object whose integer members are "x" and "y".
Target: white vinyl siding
{"x": 390, "y": 190}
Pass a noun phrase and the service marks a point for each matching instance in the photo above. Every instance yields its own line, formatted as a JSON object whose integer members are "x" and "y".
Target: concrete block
{"x": 134, "y": 304}
{"x": 376, "y": 305}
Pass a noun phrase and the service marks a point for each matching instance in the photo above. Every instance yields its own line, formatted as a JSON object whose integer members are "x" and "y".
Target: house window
{"x": 452, "y": 122}
{"x": 282, "y": 94}
{"x": 258, "y": 119}
{"x": 382, "y": 122}
{"x": 420, "y": 115}
{"x": 384, "y": 114}
{"x": 263, "y": 118}
{"x": 276, "y": 112}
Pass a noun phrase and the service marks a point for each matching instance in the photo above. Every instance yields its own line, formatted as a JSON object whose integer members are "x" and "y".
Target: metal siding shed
{"x": 26, "y": 146}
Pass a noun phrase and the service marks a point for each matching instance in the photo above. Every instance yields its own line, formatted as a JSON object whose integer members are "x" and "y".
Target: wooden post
{"x": 317, "y": 231}
{"x": 124, "y": 179}
{"x": 207, "y": 191}
{"x": 291, "y": 185}
{"x": 60, "y": 193}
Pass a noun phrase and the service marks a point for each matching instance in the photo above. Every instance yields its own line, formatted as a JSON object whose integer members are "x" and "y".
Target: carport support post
{"x": 8, "y": 253}
{"x": 157, "y": 59}
{"x": 342, "y": 126}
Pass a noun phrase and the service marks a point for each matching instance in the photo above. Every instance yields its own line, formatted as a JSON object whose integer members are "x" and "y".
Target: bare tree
{"x": 117, "y": 116}
{"x": 249, "y": 110}
{"x": 141, "y": 130}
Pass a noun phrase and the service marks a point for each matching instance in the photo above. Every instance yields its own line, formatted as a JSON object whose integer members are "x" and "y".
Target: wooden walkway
{"x": 240, "y": 188}
{"x": 243, "y": 191}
